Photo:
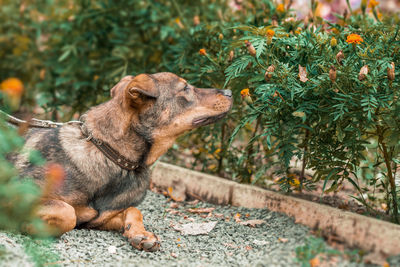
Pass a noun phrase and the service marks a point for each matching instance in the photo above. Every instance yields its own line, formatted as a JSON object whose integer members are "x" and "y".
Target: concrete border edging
{"x": 353, "y": 229}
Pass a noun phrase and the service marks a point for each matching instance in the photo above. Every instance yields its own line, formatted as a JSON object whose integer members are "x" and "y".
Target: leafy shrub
{"x": 330, "y": 99}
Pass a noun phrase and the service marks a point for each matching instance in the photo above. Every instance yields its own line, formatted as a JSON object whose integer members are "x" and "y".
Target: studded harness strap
{"x": 104, "y": 147}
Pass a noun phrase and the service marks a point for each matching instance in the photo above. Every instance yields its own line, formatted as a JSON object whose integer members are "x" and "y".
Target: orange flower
{"x": 202, "y": 52}
{"x": 12, "y": 87}
{"x": 373, "y": 3}
{"x": 245, "y": 92}
{"x": 354, "y": 39}
{"x": 280, "y": 8}
{"x": 270, "y": 33}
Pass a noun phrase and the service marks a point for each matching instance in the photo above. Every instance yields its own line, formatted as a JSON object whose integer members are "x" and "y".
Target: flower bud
{"x": 250, "y": 48}
{"x": 332, "y": 74}
{"x": 333, "y": 42}
{"x": 202, "y": 52}
{"x": 363, "y": 73}
{"x": 268, "y": 73}
{"x": 340, "y": 57}
{"x": 220, "y": 36}
{"x": 196, "y": 20}
{"x": 303, "y": 74}
{"x": 390, "y": 72}
{"x": 231, "y": 55}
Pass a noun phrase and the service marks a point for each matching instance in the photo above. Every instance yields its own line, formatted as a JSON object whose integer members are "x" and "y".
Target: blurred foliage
{"x": 306, "y": 102}
{"x": 18, "y": 196}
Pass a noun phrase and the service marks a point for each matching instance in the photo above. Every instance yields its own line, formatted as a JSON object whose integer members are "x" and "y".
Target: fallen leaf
{"x": 237, "y": 217}
{"x": 174, "y": 255}
{"x": 248, "y": 248}
{"x": 201, "y": 210}
{"x": 260, "y": 242}
{"x": 112, "y": 249}
{"x": 283, "y": 240}
{"x": 219, "y": 215}
{"x": 173, "y": 212}
{"x": 252, "y": 223}
{"x": 314, "y": 262}
{"x": 174, "y": 205}
{"x": 193, "y": 202}
{"x": 303, "y": 74}
{"x": 195, "y": 228}
{"x": 177, "y": 194}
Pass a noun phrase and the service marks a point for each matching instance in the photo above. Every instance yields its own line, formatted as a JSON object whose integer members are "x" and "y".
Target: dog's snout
{"x": 226, "y": 93}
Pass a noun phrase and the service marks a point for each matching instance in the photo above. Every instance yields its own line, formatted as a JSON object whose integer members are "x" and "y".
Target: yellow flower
{"x": 202, "y": 52}
{"x": 280, "y": 8}
{"x": 373, "y": 3}
{"x": 270, "y": 33}
{"x": 354, "y": 39}
{"x": 333, "y": 42}
{"x": 245, "y": 92}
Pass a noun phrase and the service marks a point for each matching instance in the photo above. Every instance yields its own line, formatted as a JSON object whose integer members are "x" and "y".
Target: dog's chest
{"x": 122, "y": 191}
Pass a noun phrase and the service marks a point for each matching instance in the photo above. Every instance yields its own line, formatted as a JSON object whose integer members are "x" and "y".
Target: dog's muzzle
{"x": 226, "y": 93}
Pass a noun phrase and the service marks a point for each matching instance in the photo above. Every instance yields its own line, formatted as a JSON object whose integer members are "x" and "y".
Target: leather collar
{"x": 110, "y": 152}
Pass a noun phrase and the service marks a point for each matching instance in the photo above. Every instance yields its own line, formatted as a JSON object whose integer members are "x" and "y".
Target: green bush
{"x": 339, "y": 116}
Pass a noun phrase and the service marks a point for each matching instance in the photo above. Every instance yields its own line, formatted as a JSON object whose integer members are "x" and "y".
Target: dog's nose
{"x": 226, "y": 93}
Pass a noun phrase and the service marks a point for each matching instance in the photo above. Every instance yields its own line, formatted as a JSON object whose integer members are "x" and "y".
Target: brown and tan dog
{"x": 106, "y": 157}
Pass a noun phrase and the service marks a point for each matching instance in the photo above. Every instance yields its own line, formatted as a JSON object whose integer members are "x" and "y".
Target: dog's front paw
{"x": 146, "y": 241}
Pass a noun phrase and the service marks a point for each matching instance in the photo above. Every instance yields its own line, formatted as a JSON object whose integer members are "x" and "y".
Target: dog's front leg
{"x": 130, "y": 222}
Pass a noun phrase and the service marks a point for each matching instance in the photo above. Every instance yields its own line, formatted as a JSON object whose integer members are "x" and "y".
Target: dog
{"x": 106, "y": 156}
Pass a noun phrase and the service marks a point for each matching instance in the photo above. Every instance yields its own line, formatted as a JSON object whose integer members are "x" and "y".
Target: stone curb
{"x": 369, "y": 234}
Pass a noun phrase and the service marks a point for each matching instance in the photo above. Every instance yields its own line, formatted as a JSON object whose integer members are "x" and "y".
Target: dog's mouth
{"x": 202, "y": 121}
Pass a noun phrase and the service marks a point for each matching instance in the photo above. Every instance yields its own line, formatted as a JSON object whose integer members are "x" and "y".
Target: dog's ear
{"x": 142, "y": 88}
{"x": 121, "y": 85}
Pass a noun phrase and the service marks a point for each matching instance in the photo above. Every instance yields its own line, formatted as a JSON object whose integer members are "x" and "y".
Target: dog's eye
{"x": 186, "y": 88}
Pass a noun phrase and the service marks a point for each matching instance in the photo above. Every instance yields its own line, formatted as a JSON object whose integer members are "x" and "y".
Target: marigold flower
{"x": 354, "y": 39}
{"x": 245, "y": 92}
{"x": 12, "y": 87}
{"x": 373, "y": 3}
{"x": 270, "y": 33}
{"x": 280, "y": 8}
{"x": 54, "y": 176}
{"x": 202, "y": 52}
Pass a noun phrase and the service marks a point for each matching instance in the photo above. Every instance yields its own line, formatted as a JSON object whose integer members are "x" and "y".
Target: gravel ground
{"x": 230, "y": 243}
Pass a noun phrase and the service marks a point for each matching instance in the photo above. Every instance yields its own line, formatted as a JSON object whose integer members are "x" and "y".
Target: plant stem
{"x": 223, "y": 147}
{"x": 250, "y": 146}
{"x": 390, "y": 177}
{"x": 303, "y": 167}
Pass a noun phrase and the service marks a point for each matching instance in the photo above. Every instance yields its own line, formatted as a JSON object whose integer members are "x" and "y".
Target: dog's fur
{"x": 141, "y": 121}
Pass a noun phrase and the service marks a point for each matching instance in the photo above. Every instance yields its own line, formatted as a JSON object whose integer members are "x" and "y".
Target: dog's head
{"x": 163, "y": 105}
